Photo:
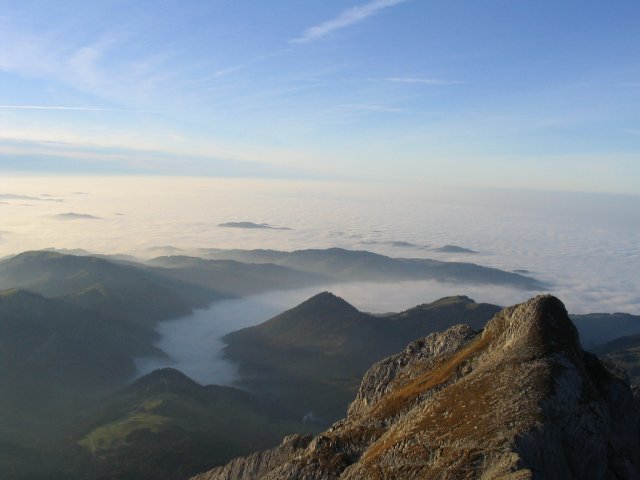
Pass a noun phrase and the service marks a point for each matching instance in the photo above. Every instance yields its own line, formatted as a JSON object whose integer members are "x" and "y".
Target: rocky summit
{"x": 519, "y": 400}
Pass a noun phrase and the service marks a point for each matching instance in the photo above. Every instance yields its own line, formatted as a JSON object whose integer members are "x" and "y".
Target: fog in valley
{"x": 582, "y": 246}
{"x": 194, "y": 343}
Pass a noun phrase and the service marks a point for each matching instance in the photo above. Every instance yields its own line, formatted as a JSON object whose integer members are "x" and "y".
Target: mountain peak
{"x": 324, "y": 301}
{"x": 326, "y": 296}
{"x": 306, "y": 323}
{"x": 453, "y": 299}
{"x": 541, "y": 322}
{"x": 519, "y": 400}
{"x": 163, "y": 379}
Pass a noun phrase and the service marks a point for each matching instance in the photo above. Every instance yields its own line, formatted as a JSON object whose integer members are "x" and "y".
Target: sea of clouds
{"x": 586, "y": 247}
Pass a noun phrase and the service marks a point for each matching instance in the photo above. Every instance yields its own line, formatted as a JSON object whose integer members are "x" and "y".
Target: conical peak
{"x": 325, "y": 300}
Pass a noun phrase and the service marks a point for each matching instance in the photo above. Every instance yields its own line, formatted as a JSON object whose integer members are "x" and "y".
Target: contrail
{"x": 84, "y": 109}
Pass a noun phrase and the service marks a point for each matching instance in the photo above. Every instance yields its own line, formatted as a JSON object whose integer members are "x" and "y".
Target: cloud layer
{"x": 585, "y": 246}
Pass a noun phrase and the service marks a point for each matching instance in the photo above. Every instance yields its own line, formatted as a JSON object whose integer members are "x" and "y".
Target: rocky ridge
{"x": 519, "y": 400}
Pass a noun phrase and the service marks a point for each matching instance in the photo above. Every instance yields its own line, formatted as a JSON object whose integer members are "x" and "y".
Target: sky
{"x": 476, "y": 93}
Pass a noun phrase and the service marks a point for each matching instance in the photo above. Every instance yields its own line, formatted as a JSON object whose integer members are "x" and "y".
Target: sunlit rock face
{"x": 520, "y": 399}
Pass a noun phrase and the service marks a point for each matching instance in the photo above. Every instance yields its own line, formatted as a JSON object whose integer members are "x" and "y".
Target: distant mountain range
{"x": 232, "y": 278}
{"x": 354, "y": 265}
{"x": 125, "y": 291}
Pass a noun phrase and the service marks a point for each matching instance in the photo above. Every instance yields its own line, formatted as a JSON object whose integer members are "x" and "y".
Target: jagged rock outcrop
{"x": 259, "y": 464}
{"x": 519, "y": 400}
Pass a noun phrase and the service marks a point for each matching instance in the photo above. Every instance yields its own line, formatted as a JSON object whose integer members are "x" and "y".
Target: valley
{"x": 319, "y": 240}
{"x": 113, "y": 364}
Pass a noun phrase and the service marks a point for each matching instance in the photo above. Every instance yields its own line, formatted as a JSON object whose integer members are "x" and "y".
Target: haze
{"x": 586, "y": 246}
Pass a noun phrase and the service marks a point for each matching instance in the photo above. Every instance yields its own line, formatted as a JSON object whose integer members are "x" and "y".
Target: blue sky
{"x": 523, "y": 94}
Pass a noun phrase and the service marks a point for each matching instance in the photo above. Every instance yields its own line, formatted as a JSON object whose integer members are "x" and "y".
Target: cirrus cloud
{"x": 345, "y": 19}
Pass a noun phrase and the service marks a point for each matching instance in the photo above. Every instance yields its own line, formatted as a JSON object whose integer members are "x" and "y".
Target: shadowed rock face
{"x": 519, "y": 400}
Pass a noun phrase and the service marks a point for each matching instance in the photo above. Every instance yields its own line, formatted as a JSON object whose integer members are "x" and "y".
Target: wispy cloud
{"x": 345, "y": 19}
{"x": 370, "y": 108}
{"x": 424, "y": 81}
{"x": 97, "y": 66}
{"x": 226, "y": 71}
{"x": 60, "y": 107}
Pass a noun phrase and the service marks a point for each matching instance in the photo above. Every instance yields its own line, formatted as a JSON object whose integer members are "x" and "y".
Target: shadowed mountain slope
{"x": 600, "y": 328}
{"x": 311, "y": 358}
{"x": 622, "y": 343}
{"x": 49, "y": 349}
{"x": 521, "y": 400}
{"x": 165, "y": 426}
{"x": 625, "y": 353}
{"x": 54, "y": 359}
{"x": 118, "y": 290}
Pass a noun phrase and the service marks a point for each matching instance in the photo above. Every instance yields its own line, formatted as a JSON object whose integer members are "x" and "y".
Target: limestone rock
{"x": 258, "y": 464}
{"x": 519, "y": 400}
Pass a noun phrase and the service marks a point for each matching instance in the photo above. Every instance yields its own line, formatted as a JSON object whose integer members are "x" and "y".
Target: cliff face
{"x": 519, "y": 400}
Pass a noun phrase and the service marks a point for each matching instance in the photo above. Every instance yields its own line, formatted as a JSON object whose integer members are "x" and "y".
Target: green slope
{"x": 165, "y": 425}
